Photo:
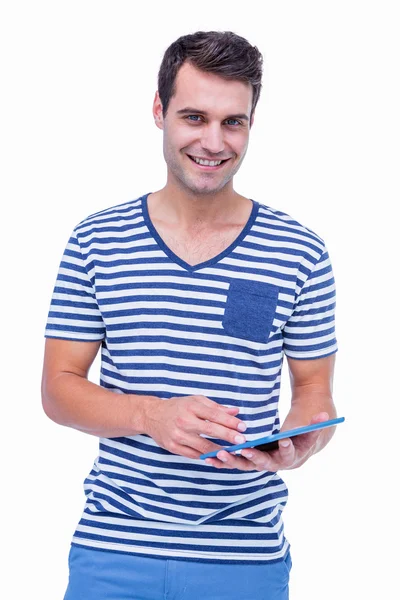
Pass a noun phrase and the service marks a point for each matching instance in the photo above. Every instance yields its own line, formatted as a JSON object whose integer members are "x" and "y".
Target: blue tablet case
{"x": 276, "y": 436}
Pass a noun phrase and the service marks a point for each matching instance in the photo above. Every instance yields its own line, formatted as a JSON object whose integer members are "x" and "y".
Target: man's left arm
{"x": 312, "y": 402}
{"x": 311, "y": 382}
{"x": 309, "y": 331}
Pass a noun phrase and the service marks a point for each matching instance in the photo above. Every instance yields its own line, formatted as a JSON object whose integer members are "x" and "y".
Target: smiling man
{"x": 206, "y": 134}
{"x": 208, "y": 124}
{"x": 195, "y": 294}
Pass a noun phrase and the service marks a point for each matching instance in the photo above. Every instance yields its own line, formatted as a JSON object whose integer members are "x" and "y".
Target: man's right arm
{"x": 70, "y": 399}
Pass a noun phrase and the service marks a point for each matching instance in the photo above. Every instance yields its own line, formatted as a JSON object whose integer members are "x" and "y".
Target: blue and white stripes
{"x": 219, "y": 329}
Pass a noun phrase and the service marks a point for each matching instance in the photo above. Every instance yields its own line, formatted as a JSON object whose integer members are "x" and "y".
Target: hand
{"x": 292, "y": 453}
{"x": 177, "y": 424}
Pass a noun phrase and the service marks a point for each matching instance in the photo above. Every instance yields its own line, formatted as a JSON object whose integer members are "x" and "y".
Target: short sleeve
{"x": 74, "y": 313}
{"x": 310, "y": 331}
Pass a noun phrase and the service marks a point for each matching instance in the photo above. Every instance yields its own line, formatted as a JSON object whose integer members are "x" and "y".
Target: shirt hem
{"x": 309, "y": 356}
{"x": 176, "y": 555}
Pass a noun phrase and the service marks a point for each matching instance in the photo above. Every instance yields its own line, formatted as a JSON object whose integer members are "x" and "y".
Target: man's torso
{"x": 170, "y": 329}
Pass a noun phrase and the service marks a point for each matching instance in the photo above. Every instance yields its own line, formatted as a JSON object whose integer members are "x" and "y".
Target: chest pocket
{"x": 250, "y": 309}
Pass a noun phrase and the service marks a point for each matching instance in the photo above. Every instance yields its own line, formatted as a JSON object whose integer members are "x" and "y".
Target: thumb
{"x": 319, "y": 418}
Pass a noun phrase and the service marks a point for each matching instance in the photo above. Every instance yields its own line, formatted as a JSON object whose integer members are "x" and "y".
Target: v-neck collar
{"x": 207, "y": 263}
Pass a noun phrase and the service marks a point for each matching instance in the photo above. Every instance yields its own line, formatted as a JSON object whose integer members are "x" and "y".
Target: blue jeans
{"x": 102, "y": 575}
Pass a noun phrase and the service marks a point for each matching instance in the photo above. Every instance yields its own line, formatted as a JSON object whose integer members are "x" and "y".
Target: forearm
{"x": 73, "y": 401}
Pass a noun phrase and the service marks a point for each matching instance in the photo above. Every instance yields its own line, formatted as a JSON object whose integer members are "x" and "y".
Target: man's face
{"x": 208, "y": 118}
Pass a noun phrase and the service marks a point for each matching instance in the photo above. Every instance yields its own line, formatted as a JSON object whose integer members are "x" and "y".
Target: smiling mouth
{"x": 207, "y": 164}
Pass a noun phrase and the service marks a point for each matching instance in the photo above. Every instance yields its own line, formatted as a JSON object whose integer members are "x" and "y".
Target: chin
{"x": 205, "y": 189}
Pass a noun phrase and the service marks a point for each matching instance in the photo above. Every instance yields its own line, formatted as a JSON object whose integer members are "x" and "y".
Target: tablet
{"x": 271, "y": 442}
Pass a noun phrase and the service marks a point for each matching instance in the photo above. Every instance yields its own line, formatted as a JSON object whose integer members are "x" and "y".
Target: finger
{"x": 219, "y": 432}
{"x": 227, "y": 460}
{"x": 218, "y": 416}
{"x": 192, "y": 446}
{"x": 287, "y": 454}
{"x": 232, "y": 410}
{"x": 207, "y": 402}
{"x": 262, "y": 461}
{"x": 197, "y": 444}
{"x": 184, "y": 450}
{"x": 283, "y": 458}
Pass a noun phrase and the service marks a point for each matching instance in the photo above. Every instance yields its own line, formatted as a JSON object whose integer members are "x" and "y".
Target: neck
{"x": 187, "y": 210}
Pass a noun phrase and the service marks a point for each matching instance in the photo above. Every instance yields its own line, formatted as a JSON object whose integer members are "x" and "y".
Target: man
{"x": 194, "y": 293}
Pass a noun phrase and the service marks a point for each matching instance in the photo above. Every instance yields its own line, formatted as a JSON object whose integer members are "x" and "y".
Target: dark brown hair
{"x": 221, "y": 52}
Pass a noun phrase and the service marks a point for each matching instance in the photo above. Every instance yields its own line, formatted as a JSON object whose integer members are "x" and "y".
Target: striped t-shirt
{"x": 219, "y": 329}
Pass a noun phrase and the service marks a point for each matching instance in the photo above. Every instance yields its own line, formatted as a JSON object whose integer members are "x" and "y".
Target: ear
{"x": 158, "y": 111}
{"x": 251, "y": 121}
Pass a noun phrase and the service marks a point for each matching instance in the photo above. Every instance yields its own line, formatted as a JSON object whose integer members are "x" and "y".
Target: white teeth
{"x": 207, "y": 163}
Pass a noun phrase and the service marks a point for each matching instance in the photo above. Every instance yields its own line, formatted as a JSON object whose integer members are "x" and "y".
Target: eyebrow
{"x": 191, "y": 111}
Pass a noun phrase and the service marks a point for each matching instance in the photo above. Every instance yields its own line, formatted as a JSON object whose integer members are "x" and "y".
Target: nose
{"x": 212, "y": 138}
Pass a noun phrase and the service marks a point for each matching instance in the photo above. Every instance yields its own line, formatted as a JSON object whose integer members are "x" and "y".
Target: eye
{"x": 194, "y": 118}
{"x": 233, "y": 122}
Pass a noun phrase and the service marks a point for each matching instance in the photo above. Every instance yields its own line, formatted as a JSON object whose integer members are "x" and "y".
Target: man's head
{"x": 208, "y": 86}
{"x": 220, "y": 52}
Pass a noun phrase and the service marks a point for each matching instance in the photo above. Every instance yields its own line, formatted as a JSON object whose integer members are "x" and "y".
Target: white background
{"x": 77, "y": 136}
